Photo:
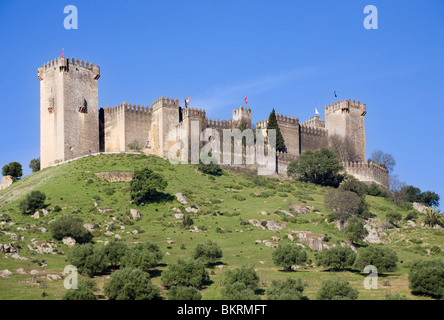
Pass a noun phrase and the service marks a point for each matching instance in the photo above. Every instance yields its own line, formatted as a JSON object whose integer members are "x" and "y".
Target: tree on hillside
{"x": 430, "y": 199}
{"x": 240, "y": 284}
{"x": 209, "y": 252}
{"x": 189, "y": 273}
{"x": 343, "y": 203}
{"x": 13, "y": 169}
{"x": 33, "y": 201}
{"x": 272, "y": 124}
{"x": 85, "y": 291}
{"x": 320, "y": 167}
{"x": 288, "y": 289}
{"x": 383, "y": 258}
{"x": 355, "y": 230}
{"x": 336, "y": 290}
{"x": 426, "y": 277}
{"x": 288, "y": 255}
{"x": 146, "y": 185}
{"x": 337, "y": 258}
{"x": 34, "y": 165}
{"x": 131, "y": 284}
{"x": 411, "y": 193}
{"x": 395, "y": 189}
{"x": 70, "y": 226}
{"x": 384, "y": 159}
{"x": 143, "y": 256}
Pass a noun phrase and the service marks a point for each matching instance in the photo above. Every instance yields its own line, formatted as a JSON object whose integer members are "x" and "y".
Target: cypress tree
{"x": 272, "y": 124}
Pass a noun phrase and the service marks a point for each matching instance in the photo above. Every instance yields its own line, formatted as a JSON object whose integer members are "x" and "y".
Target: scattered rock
{"x": 170, "y": 241}
{"x": 181, "y": 198}
{"x": 5, "y": 273}
{"x": 8, "y": 248}
{"x": 42, "y": 230}
{"x": 34, "y": 272}
{"x": 45, "y": 212}
{"x": 134, "y": 232}
{"x": 258, "y": 242}
{"x": 89, "y": 227}
{"x": 70, "y": 242}
{"x": 420, "y": 207}
{"x": 178, "y": 215}
{"x": 177, "y": 210}
{"x": 52, "y": 277}
{"x": 270, "y": 244}
{"x": 300, "y": 208}
{"x": 274, "y": 226}
{"x": 276, "y": 239}
{"x": 36, "y": 215}
{"x": 264, "y": 213}
{"x": 20, "y": 271}
{"x": 118, "y": 237}
{"x": 191, "y": 209}
{"x": 262, "y": 262}
{"x": 135, "y": 214}
{"x": 109, "y": 233}
{"x": 411, "y": 223}
{"x": 194, "y": 229}
{"x": 18, "y": 257}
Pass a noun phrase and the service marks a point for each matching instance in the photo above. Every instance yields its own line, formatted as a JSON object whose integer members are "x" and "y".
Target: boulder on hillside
{"x": 181, "y": 198}
{"x": 300, "y": 208}
{"x": 135, "y": 214}
{"x": 70, "y": 242}
{"x": 420, "y": 207}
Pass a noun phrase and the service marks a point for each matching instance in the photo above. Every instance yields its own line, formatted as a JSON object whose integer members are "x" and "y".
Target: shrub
{"x": 288, "y": 255}
{"x": 430, "y": 198}
{"x": 146, "y": 186}
{"x": 185, "y": 273}
{"x": 337, "y": 258}
{"x": 84, "y": 291}
{"x": 208, "y": 252}
{"x": 114, "y": 251}
{"x": 33, "y": 201}
{"x": 187, "y": 221}
{"x": 343, "y": 203}
{"x": 245, "y": 275}
{"x": 288, "y": 289}
{"x": 355, "y": 230}
{"x": 384, "y": 259}
{"x": 34, "y": 165}
{"x": 376, "y": 191}
{"x": 336, "y": 290}
{"x": 183, "y": 293}
{"x": 142, "y": 256}
{"x": 130, "y": 284}
{"x": 57, "y": 209}
{"x": 88, "y": 259}
{"x": 320, "y": 167}
{"x": 238, "y": 291}
{"x": 394, "y": 217}
{"x": 350, "y": 183}
{"x": 426, "y": 277}
{"x": 411, "y": 215}
{"x": 70, "y": 226}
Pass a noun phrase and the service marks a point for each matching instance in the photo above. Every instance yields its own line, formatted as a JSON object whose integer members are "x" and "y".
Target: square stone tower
{"x": 69, "y": 110}
{"x": 345, "y": 119}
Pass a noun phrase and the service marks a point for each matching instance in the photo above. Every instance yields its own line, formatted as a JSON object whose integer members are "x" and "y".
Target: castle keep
{"x": 71, "y": 124}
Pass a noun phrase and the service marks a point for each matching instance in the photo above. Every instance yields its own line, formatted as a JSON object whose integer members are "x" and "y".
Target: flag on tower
{"x": 62, "y": 52}
{"x": 246, "y": 99}
{"x": 316, "y": 111}
{"x": 187, "y": 101}
{"x": 336, "y": 94}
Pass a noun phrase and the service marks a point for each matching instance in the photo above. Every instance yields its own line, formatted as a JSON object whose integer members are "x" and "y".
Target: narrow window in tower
{"x": 51, "y": 105}
{"x": 83, "y": 106}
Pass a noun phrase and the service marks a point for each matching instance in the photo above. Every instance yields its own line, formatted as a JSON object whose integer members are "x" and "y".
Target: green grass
{"x": 223, "y": 202}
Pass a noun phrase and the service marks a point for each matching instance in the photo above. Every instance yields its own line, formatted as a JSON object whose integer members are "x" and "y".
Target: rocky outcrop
{"x": 302, "y": 209}
{"x": 70, "y": 242}
{"x": 8, "y": 248}
{"x": 115, "y": 176}
{"x": 315, "y": 241}
{"x": 420, "y": 207}
{"x": 6, "y": 182}
{"x": 269, "y": 224}
{"x": 135, "y": 214}
{"x": 43, "y": 247}
{"x": 181, "y": 198}
{"x": 375, "y": 233}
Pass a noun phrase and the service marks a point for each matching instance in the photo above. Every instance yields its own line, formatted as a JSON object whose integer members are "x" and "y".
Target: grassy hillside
{"x": 225, "y": 203}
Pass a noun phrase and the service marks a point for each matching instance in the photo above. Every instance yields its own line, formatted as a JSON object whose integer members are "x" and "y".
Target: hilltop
{"x": 235, "y": 209}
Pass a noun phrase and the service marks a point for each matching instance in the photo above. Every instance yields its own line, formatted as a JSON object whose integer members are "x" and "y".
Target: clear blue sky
{"x": 287, "y": 55}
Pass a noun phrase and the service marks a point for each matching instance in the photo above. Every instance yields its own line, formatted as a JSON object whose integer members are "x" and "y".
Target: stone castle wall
{"x": 70, "y": 124}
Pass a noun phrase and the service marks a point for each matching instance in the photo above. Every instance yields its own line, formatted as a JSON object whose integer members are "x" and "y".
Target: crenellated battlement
{"x": 285, "y": 156}
{"x": 368, "y": 172}
{"x": 188, "y": 112}
{"x": 165, "y": 103}
{"x": 128, "y": 107}
{"x": 314, "y": 122}
{"x": 262, "y": 124}
{"x": 345, "y": 105}
{"x": 314, "y": 131}
{"x": 221, "y": 124}
{"x": 64, "y": 64}
{"x": 241, "y": 110}
{"x": 283, "y": 119}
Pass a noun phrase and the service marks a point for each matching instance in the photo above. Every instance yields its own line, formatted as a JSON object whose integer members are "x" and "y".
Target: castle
{"x": 72, "y": 125}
